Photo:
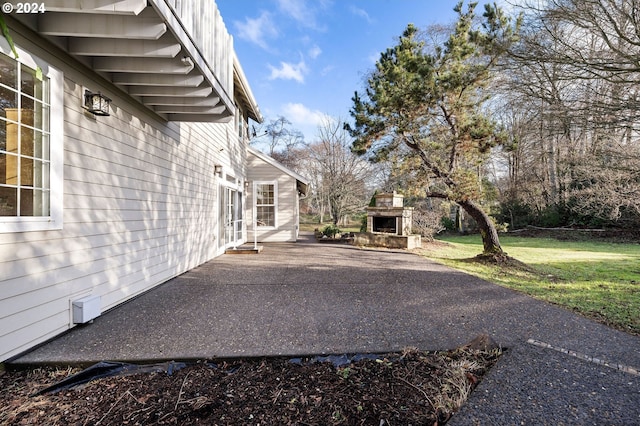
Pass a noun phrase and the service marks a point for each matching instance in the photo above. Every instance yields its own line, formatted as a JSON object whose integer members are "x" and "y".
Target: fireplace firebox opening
{"x": 385, "y": 224}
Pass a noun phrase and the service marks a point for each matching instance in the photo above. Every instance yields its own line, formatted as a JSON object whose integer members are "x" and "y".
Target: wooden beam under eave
{"x": 143, "y": 65}
{"x": 117, "y": 7}
{"x": 187, "y": 109}
{"x": 165, "y": 47}
{"x": 146, "y": 26}
{"x": 127, "y": 79}
{"x": 170, "y": 91}
{"x": 226, "y": 117}
{"x": 210, "y": 101}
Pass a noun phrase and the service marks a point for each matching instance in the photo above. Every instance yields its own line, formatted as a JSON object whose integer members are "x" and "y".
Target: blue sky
{"x": 305, "y": 58}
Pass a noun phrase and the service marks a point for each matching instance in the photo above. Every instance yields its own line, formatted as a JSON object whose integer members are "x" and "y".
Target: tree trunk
{"x": 335, "y": 213}
{"x": 490, "y": 239}
{"x": 460, "y": 220}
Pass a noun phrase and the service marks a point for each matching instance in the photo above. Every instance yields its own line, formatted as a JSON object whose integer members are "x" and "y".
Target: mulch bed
{"x": 413, "y": 387}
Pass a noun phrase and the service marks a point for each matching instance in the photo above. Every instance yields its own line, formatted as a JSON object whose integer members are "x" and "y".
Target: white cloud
{"x": 288, "y": 71}
{"x": 326, "y": 70}
{"x": 257, "y": 30}
{"x": 304, "y": 11}
{"x": 314, "y": 52}
{"x": 361, "y": 13}
{"x": 299, "y": 114}
{"x": 304, "y": 119}
{"x": 297, "y": 9}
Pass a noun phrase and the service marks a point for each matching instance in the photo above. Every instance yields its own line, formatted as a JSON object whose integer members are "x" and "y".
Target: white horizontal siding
{"x": 25, "y": 336}
{"x": 287, "y": 220}
{"x": 140, "y": 207}
{"x": 31, "y": 309}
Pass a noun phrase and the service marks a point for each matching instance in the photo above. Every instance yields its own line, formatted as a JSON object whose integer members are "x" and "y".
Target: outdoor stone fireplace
{"x": 389, "y": 216}
{"x": 389, "y": 223}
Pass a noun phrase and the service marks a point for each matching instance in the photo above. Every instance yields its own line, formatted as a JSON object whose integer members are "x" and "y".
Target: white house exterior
{"x": 275, "y": 192}
{"x": 101, "y": 208}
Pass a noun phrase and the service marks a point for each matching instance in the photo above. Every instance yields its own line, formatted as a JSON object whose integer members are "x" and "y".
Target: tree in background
{"x": 340, "y": 181}
{"x": 572, "y": 108}
{"x": 423, "y": 108}
{"x": 281, "y": 139}
{"x": 340, "y": 178}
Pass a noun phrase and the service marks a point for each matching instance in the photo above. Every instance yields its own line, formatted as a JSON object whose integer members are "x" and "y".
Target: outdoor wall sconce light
{"x": 217, "y": 169}
{"x": 96, "y": 103}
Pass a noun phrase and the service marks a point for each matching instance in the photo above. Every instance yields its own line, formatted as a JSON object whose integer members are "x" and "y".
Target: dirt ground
{"x": 409, "y": 388}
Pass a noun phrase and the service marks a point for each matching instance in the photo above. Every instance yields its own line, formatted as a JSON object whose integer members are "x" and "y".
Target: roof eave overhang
{"x": 244, "y": 91}
{"x": 144, "y": 48}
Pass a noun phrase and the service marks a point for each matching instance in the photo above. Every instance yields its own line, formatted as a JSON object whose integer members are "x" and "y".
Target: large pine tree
{"x": 424, "y": 106}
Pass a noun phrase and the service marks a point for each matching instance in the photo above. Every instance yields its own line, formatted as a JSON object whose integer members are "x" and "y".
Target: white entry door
{"x": 230, "y": 217}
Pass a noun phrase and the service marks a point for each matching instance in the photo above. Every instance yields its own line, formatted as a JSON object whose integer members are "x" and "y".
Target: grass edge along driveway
{"x": 600, "y": 280}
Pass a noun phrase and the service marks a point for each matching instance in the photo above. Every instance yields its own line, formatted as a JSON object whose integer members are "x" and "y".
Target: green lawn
{"x": 600, "y": 280}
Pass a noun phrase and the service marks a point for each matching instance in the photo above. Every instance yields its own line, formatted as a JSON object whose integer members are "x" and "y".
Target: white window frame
{"x": 56, "y": 146}
{"x": 275, "y": 203}
{"x": 242, "y": 128}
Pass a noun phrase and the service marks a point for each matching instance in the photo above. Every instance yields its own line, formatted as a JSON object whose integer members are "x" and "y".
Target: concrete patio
{"x": 306, "y": 298}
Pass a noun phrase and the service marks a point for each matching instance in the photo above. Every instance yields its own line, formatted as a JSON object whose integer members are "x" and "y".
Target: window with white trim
{"x": 243, "y": 130}
{"x": 30, "y": 143}
{"x": 266, "y": 196}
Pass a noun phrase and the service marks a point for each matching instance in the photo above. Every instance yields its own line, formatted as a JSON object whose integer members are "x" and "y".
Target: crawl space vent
{"x": 86, "y": 309}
